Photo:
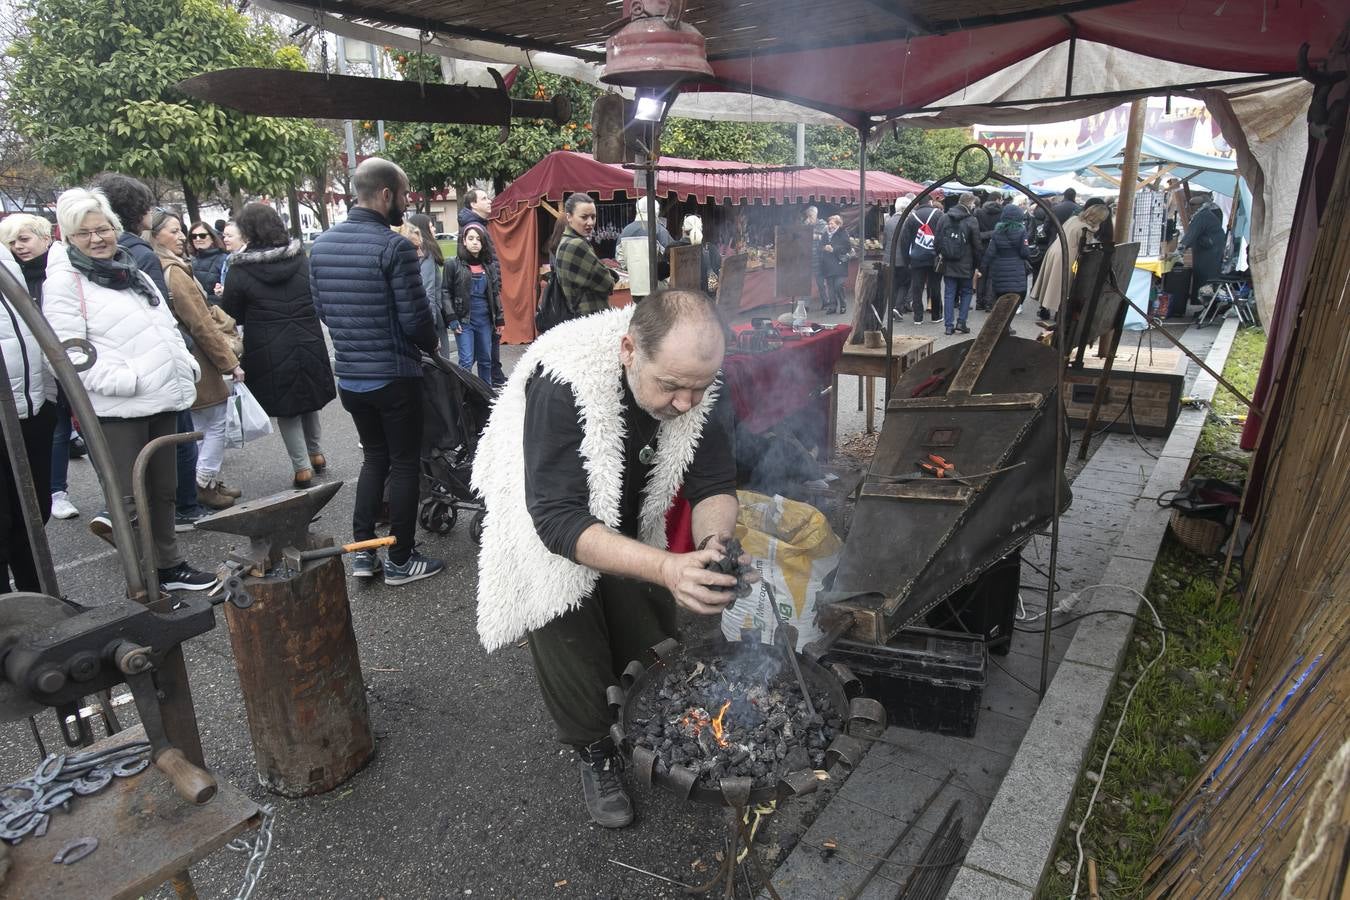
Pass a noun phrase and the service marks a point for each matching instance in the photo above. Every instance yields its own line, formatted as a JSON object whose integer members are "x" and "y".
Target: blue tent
{"x": 1212, "y": 173}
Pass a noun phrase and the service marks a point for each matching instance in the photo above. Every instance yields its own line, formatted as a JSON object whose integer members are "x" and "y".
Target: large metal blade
{"x": 314, "y": 95}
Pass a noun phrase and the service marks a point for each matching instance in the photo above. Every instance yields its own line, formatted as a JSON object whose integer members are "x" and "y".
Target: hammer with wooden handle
{"x": 296, "y": 559}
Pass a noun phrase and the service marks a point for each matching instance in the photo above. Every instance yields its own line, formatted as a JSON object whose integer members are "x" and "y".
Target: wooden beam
{"x": 1111, "y": 178}
{"x": 1129, "y": 171}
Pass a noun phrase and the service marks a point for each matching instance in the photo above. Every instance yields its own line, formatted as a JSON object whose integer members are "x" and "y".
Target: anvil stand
{"x": 294, "y": 645}
{"x": 738, "y": 833}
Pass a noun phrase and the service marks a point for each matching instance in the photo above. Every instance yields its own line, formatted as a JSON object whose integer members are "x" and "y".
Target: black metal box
{"x": 927, "y": 680}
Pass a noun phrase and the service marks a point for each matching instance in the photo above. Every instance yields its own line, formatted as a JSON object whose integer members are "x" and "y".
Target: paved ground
{"x": 468, "y": 793}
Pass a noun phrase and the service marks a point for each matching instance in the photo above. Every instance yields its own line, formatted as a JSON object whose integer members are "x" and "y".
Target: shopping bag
{"x": 234, "y": 427}
{"x": 793, "y": 548}
{"x": 245, "y": 419}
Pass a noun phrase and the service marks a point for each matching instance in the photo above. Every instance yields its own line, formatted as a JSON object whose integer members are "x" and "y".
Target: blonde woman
{"x": 214, "y": 346}
{"x": 1046, "y": 290}
{"x": 142, "y": 375}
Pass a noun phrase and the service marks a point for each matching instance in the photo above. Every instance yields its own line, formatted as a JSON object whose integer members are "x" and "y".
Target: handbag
{"x": 553, "y": 307}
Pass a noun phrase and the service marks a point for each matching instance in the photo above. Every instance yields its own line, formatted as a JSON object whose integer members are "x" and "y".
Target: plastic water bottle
{"x": 799, "y": 316}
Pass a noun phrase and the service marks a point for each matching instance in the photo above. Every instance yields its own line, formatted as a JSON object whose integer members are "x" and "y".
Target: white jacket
{"x": 29, "y": 379}
{"x": 521, "y": 584}
{"x": 142, "y": 365}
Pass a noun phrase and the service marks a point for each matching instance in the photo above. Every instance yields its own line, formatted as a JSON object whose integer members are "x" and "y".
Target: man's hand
{"x": 693, "y": 586}
{"x": 749, "y": 574}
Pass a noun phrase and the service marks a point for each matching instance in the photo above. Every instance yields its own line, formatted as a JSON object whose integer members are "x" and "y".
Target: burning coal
{"x": 743, "y": 717}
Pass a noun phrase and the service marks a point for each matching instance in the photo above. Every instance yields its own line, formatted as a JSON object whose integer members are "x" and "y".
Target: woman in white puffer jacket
{"x": 34, "y": 391}
{"x": 143, "y": 374}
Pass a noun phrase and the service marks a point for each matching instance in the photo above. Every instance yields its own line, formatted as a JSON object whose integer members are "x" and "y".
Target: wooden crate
{"x": 1151, "y": 385}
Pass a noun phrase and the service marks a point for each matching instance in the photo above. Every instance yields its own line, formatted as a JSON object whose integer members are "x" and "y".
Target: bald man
{"x": 601, "y": 422}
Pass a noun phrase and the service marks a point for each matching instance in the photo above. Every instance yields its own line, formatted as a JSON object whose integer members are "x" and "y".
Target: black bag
{"x": 952, "y": 242}
{"x": 553, "y": 307}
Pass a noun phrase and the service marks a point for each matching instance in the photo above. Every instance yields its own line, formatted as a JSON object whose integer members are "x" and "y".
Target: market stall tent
{"x": 515, "y": 226}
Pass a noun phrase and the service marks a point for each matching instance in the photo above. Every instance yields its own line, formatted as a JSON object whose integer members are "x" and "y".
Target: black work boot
{"x": 606, "y": 799}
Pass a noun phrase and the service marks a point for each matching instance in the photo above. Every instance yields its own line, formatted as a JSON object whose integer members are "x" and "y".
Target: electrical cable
{"x": 1095, "y": 612}
{"x": 1106, "y": 759}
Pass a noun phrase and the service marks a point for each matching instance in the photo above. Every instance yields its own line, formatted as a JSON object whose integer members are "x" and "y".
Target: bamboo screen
{"x": 1270, "y": 816}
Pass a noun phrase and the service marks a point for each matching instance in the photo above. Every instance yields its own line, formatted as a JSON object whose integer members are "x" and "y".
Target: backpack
{"x": 553, "y": 307}
{"x": 952, "y": 242}
{"x": 924, "y": 243}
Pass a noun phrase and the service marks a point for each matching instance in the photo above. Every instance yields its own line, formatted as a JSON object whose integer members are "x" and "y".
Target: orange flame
{"x": 717, "y": 727}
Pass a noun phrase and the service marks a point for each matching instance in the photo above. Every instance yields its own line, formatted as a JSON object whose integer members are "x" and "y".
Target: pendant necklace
{"x": 648, "y": 453}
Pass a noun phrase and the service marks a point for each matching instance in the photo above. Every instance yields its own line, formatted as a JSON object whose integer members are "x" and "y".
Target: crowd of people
{"x": 181, "y": 317}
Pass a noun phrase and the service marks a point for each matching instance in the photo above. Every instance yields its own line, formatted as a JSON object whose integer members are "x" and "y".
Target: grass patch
{"x": 1186, "y": 705}
{"x": 1219, "y": 438}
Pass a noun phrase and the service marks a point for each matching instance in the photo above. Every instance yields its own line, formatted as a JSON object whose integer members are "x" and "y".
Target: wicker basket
{"x": 1202, "y": 536}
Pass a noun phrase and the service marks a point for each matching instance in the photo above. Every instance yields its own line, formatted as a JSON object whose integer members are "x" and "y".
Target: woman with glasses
{"x": 142, "y": 374}
{"x": 213, "y": 346}
{"x": 267, "y": 291}
{"x": 208, "y": 256}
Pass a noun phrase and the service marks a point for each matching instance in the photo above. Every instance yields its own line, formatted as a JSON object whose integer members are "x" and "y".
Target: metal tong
{"x": 786, "y": 637}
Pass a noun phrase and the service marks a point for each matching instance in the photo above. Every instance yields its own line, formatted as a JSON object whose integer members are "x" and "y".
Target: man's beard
{"x": 395, "y": 216}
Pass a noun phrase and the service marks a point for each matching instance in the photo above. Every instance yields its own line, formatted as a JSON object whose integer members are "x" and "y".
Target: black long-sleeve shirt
{"x": 556, "y": 489}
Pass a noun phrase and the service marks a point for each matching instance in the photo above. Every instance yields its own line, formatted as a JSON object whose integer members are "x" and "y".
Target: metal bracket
{"x": 644, "y": 765}
{"x": 796, "y": 784}
{"x": 866, "y": 717}
{"x": 683, "y": 778}
{"x": 666, "y": 649}
{"x": 631, "y": 673}
{"x": 735, "y": 790}
{"x": 846, "y": 750}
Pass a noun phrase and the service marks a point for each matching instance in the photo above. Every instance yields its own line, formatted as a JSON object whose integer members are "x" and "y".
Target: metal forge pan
{"x": 863, "y": 718}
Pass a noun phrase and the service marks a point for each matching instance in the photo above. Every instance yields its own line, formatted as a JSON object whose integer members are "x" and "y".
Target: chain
{"x": 257, "y": 850}
{"x": 323, "y": 39}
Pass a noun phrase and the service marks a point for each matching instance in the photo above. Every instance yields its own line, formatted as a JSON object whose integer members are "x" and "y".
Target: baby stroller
{"x": 455, "y": 405}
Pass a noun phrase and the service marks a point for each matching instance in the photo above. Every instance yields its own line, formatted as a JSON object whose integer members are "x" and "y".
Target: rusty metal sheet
{"x": 146, "y": 833}
{"x": 686, "y": 267}
{"x": 314, "y": 95}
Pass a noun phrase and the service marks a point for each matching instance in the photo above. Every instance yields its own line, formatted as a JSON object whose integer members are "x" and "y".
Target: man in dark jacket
{"x": 476, "y": 209}
{"x": 132, "y": 201}
{"x": 1068, "y": 207}
{"x": 1205, "y": 238}
{"x": 367, "y": 288}
{"x": 918, "y": 251}
{"x": 959, "y": 246}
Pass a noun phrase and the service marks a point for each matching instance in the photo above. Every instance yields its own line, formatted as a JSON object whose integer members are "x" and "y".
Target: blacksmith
{"x": 601, "y": 422}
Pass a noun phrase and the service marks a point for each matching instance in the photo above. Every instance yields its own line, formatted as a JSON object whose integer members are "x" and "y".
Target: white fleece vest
{"x": 521, "y": 585}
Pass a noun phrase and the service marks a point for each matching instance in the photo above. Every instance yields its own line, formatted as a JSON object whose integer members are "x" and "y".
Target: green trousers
{"x": 580, "y": 654}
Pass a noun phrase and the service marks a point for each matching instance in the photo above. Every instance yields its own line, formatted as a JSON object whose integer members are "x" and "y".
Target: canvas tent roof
{"x": 1213, "y": 173}
{"x": 702, "y": 181}
{"x": 843, "y": 57}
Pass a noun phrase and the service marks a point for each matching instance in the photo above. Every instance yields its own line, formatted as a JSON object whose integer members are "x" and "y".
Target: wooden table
{"x": 146, "y": 835}
{"x": 869, "y": 363}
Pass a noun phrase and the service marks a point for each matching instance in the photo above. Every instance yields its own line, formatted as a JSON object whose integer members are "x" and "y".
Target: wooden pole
{"x": 1129, "y": 172}
{"x": 1129, "y": 180}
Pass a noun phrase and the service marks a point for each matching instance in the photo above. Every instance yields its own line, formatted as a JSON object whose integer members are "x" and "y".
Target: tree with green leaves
{"x": 92, "y": 86}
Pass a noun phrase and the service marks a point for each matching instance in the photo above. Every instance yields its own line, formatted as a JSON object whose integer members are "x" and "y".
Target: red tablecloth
{"x": 766, "y": 388}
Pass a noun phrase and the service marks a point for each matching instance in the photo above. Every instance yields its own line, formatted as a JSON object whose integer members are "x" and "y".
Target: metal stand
{"x": 738, "y": 833}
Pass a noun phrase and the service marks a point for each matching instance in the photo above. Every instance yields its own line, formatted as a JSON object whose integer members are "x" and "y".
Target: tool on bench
{"x": 295, "y": 559}
{"x": 937, "y": 466}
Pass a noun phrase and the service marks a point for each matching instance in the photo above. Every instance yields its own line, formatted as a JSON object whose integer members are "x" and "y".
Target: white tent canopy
{"x": 1264, "y": 122}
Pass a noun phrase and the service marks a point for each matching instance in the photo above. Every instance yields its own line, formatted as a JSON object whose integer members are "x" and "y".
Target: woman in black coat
{"x": 208, "y": 256}
{"x": 267, "y": 292}
{"x": 835, "y": 251}
{"x": 1005, "y": 255}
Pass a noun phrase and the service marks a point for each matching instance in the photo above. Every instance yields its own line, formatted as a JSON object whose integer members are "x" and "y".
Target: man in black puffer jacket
{"x": 477, "y": 207}
{"x": 367, "y": 288}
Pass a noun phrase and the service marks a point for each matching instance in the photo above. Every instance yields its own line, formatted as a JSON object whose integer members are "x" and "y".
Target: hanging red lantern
{"x": 654, "y": 49}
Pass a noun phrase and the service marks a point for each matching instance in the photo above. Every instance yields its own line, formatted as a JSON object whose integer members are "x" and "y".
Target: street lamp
{"x": 655, "y": 53}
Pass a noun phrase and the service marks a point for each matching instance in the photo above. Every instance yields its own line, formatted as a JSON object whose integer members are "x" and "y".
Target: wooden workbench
{"x": 146, "y": 834}
{"x": 869, "y": 363}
